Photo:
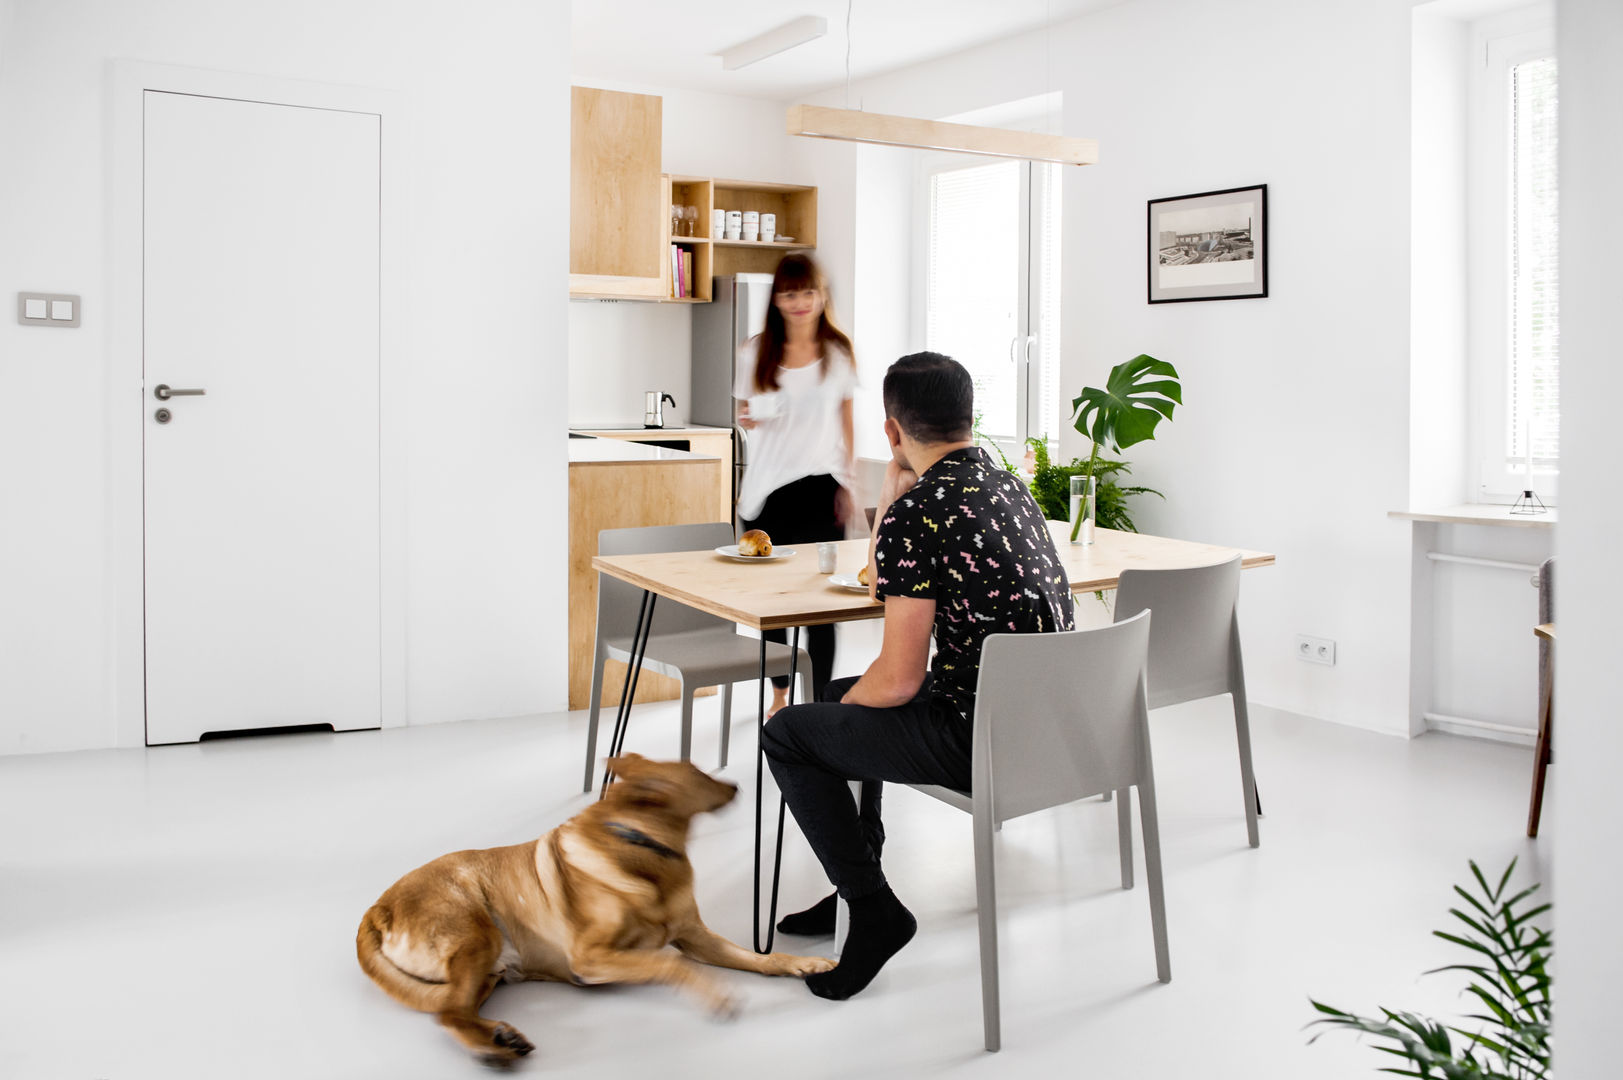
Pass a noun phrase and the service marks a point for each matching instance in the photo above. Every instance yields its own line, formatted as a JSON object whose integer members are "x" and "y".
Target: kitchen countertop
{"x": 627, "y": 430}
{"x": 620, "y": 452}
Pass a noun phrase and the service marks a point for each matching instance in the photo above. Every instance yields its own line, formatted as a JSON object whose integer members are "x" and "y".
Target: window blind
{"x": 1535, "y": 308}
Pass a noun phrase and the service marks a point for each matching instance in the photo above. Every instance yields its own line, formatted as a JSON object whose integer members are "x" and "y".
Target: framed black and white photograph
{"x": 1210, "y": 246}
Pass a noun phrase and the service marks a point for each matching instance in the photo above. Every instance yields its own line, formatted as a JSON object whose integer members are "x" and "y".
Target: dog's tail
{"x": 403, "y": 986}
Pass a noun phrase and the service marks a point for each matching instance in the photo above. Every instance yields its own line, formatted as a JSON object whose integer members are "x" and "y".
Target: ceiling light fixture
{"x": 790, "y": 34}
{"x": 852, "y": 125}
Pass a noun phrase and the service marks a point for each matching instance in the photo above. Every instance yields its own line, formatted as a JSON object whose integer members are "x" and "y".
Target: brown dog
{"x": 595, "y": 900}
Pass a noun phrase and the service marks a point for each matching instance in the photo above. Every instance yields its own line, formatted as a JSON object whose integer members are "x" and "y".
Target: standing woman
{"x": 795, "y": 381}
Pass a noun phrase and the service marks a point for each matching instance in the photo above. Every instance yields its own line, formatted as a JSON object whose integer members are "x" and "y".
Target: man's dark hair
{"x": 931, "y": 397}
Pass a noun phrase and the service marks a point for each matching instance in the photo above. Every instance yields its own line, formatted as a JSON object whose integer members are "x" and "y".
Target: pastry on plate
{"x": 862, "y": 575}
{"x": 755, "y": 542}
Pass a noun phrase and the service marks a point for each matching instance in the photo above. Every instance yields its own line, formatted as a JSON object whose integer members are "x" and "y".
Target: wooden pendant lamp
{"x": 853, "y": 125}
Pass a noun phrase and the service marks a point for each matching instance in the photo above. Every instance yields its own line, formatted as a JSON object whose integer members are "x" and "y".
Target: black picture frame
{"x": 1197, "y": 245}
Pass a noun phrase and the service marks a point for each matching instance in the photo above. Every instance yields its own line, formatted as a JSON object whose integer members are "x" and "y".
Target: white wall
{"x": 617, "y": 350}
{"x": 486, "y": 215}
{"x": 1438, "y": 261}
{"x": 1294, "y": 435}
{"x": 1588, "y": 800}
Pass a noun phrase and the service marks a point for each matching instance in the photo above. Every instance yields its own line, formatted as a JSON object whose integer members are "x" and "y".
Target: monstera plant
{"x": 1137, "y": 396}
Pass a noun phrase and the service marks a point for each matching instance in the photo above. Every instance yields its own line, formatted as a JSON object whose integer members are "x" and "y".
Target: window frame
{"x": 1499, "y": 44}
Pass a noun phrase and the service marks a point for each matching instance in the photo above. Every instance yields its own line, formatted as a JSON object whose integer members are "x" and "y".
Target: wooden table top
{"x": 790, "y": 592}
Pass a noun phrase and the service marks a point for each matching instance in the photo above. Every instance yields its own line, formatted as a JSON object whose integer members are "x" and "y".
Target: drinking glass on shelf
{"x": 690, "y": 218}
{"x": 676, "y": 219}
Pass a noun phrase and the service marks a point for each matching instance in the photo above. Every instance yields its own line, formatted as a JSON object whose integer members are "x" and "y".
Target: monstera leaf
{"x": 1137, "y": 395}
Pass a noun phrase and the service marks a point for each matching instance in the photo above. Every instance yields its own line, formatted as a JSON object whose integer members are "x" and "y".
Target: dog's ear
{"x": 647, "y": 790}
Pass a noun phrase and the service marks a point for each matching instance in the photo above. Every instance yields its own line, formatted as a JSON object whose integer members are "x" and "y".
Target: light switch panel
{"x": 48, "y": 309}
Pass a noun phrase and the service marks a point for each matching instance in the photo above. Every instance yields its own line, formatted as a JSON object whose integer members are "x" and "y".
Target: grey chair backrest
{"x": 618, "y": 601}
{"x": 1194, "y": 644}
{"x": 1060, "y": 717}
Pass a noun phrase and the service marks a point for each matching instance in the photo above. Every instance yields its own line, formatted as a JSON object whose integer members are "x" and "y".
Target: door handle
{"x": 163, "y": 392}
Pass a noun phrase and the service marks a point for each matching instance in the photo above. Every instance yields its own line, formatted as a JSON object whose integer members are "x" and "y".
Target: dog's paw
{"x": 509, "y": 1037}
{"x": 725, "y": 1006}
{"x": 507, "y": 1047}
{"x": 802, "y": 965}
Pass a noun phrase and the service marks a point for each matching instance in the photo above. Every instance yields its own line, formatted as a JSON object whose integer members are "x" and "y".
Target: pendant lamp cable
{"x": 848, "y": 5}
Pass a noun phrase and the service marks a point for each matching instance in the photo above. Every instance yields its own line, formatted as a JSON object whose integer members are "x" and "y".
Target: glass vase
{"x": 1084, "y": 500}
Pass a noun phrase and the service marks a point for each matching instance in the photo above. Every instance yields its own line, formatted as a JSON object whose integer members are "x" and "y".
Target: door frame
{"x": 126, "y": 534}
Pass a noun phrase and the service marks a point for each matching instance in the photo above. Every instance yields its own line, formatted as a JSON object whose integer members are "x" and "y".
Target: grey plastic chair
{"x": 1059, "y": 717}
{"x": 1195, "y": 647}
{"x": 693, "y": 647}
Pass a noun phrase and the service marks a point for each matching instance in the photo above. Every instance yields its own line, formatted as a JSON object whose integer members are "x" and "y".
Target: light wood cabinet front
{"x": 616, "y": 196}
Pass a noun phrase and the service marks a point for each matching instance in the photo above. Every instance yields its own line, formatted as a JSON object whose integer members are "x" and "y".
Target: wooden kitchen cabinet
{"x": 617, "y": 207}
{"x": 708, "y": 441}
{"x": 614, "y": 484}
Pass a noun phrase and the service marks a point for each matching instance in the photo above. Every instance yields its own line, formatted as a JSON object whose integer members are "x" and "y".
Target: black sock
{"x": 815, "y": 921}
{"x": 880, "y": 926}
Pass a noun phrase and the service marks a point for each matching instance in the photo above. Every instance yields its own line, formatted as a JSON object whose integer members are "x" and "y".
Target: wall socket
{"x": 1316, "y": 650}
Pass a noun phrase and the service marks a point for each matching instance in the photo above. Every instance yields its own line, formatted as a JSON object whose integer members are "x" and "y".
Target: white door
{"x": 261, "y": 281}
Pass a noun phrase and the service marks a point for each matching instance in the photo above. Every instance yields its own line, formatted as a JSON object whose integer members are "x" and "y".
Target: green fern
{"x": 1051, "y": 487}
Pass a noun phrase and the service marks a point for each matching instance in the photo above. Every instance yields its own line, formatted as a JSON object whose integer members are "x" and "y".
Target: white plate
{"x": 730, "y": 551}
{"x": 847, "y": 581}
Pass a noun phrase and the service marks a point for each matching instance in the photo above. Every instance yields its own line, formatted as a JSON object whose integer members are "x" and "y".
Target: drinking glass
{"x": 1084, "y": 500}
{"x": 690, "y": 218}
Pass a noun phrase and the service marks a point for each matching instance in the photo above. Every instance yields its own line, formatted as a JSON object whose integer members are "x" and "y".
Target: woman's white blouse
{"x": 803, "y": 436}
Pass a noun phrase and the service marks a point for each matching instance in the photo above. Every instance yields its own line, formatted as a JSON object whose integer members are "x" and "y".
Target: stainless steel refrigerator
{"x": 720, "y": 328}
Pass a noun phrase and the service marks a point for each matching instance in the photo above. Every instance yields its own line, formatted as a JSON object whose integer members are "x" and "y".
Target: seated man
{"x": 959, "y": 547}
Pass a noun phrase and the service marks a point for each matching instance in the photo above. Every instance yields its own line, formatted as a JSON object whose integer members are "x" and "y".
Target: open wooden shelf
{"x": 795, "y": 245}
{"x": 690, "y": 191}
{"x": 795, "y": 206}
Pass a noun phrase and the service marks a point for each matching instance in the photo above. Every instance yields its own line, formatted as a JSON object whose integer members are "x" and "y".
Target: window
{"x": 1515, "y": 273}
{"x": 992, "y": 290}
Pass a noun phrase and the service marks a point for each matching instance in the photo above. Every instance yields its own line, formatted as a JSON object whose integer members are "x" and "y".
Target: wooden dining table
{"x": 790, "y": 593}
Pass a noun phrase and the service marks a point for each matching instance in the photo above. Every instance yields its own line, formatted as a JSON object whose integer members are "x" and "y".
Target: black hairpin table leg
{"x": 777, "y": 849}
{"x": 622, "y": 718}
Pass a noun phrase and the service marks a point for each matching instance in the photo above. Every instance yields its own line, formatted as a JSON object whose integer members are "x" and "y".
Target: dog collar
{"x": 641, "y": 839}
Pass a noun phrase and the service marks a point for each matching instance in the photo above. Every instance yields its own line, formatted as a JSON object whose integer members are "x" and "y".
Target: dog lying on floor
{"x": 595, "y": 900}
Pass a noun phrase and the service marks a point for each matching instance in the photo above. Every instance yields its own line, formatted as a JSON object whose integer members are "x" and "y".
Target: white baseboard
{"x": 1479, "y": 729}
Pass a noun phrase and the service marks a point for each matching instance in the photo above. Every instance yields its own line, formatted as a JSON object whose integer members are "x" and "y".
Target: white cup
{"x": 769, "y": 227}
{"x": 751, "y": 233}
{"x": 732, "y": 234}
{"x": 752, "y": 215}
{"x": 764, "y": 406}
{"x": 735, "y": 219}
{"x": 828, "y": 554}
{"x": 718, "y": 224}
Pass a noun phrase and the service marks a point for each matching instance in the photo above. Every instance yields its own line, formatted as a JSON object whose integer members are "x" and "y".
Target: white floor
{"x": 190, "y": 911}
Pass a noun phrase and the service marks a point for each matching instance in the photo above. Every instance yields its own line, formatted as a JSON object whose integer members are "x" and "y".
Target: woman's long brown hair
{"x": 796, "y": 271}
